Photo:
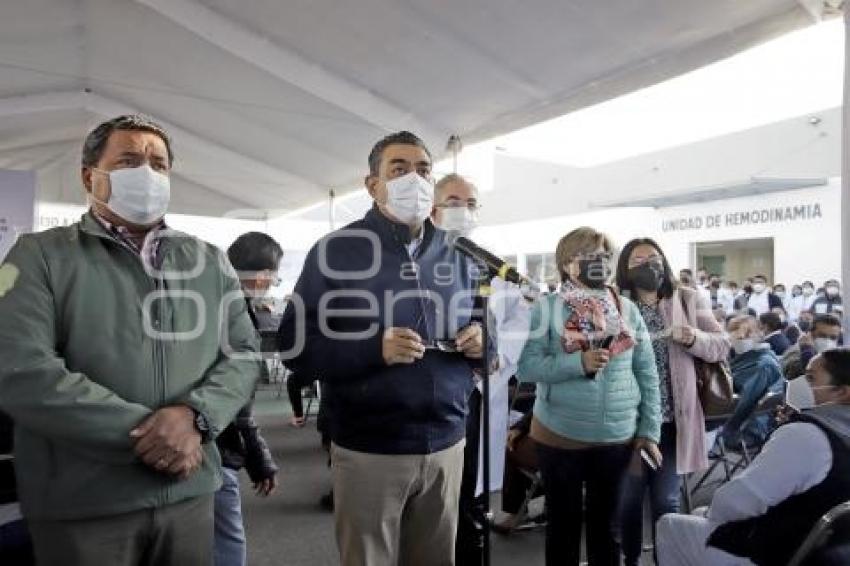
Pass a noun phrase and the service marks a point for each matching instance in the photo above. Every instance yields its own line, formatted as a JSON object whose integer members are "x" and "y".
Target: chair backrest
{"x": 769, "y": 403}
{"x": 820, "y": 533}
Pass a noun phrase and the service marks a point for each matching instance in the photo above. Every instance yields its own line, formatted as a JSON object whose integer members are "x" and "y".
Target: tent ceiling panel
{"x": 287, "y": 104}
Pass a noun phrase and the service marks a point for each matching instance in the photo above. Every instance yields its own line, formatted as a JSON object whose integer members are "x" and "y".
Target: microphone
{"x": 495, "y": 265}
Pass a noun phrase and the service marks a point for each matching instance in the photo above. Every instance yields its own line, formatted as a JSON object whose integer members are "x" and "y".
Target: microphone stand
{"x": 484, "y": 292}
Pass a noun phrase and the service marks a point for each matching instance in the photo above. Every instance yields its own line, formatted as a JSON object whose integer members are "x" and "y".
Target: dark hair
{"x": 775, "y": 285}
{"x": 809, "y": 283}
{"x": 96, "y": 140}
{"x": 730, "y": 283}
{"x": 403, "y": 138}
{"x": 837, "y": 364}
{"x": 686, "y": 270}
{"x": 254, "y": 251}
{"x": 762, "y": 277}
{"x": 826, "y": 320}
{"x": 668, "y": 282}
{"x": 771, "y": 321}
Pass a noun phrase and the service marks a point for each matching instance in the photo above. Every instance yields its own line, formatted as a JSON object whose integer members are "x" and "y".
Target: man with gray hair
{"x": 456, "y": 211}
{"x": 126, "y": 349}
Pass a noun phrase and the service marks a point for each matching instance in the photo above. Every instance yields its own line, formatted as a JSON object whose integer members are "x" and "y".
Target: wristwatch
{"x": 203, "y": 426}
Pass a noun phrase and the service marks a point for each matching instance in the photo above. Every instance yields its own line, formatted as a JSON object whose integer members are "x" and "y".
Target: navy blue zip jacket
{"x": 356, "y": 283}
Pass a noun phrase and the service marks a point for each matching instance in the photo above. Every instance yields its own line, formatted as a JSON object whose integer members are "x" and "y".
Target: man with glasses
{"x": 383, "y": 308}
{"x": 456, "y": 211}
{"x": 126, "y": 349}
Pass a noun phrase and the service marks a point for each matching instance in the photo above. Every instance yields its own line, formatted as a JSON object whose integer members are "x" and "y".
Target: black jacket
{"x": 366, "y": 280}
{"x": 8, "y": 486}
{"x": 772, "y": 538}
{"x": 242, "y": 445}
{"x": 778, "y": 343}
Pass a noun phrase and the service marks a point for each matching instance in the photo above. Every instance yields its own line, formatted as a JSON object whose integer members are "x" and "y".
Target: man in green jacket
{"x": 126, "y": 348}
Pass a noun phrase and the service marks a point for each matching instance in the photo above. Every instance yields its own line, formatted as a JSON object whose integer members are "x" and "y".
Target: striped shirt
{"x": 148, "y": 250}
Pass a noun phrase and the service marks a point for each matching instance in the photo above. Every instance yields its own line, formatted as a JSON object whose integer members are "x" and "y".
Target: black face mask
{"x": 647, "y": 276}
{"x": 593, "y": 273}
{"x": 805, "y": 325}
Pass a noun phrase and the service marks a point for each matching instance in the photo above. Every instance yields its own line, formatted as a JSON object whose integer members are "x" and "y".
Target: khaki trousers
{"x": 180, "y": 534}
{"x": 396, "y": 510}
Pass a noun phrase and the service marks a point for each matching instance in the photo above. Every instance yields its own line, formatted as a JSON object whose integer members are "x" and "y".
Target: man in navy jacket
{"x": 383, "y": 314}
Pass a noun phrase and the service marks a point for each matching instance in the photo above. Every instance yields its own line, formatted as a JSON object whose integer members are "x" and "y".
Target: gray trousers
{"x": 180, "y": 534}
{"x": 396, "y": 510}
{"x": 681, "y": 542}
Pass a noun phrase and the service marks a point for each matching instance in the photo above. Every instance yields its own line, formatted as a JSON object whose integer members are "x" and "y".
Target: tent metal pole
{"x": 845, "y": 175}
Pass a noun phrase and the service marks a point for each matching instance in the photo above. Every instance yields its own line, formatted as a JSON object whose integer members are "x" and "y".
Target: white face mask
{"x": 410, "y": 198}
{"x": 139, "y": 195}
{"x": 808, "y": 291}
{"x": 823, "y": 344}
{"x": 758, "y": 288}
{"x": 832, "y": 291}
{"x": 458, "y": 219}
{"x": 800, "y": 395}
{"x": 743, "y": 346}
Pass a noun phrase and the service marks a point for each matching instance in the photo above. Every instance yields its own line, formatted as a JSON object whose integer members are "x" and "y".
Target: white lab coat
{"x": 509, "y": 322}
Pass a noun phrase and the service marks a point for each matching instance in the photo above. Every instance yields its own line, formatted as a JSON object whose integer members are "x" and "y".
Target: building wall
{"x": 528, "y": 190}
{"x": 806, "y": 248}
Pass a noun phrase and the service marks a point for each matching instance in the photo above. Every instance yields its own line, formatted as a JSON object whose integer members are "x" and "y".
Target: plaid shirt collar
{"x": 149, "y": 249}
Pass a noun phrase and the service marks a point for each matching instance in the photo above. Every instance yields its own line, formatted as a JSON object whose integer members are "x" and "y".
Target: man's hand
{"x": 266, "y": 487}
{"x": 806, "y": 341}
{"x": 470, "y": 341}
{"x": 402, "y": 346}
{"x": 169, "y": 442}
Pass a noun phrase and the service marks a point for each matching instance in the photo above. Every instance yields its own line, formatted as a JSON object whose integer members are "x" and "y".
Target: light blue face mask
{"x": 742, "y": 346}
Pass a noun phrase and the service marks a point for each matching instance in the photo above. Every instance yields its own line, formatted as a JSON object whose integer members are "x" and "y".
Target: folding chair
{"x": 723, "y": 455}
{"x": 821, "y": 533}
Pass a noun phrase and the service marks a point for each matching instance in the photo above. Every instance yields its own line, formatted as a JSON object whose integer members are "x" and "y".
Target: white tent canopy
{"x": 271, "y": 104}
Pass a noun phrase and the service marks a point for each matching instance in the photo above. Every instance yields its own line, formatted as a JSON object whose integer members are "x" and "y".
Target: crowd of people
{"x": 132, "y": 405}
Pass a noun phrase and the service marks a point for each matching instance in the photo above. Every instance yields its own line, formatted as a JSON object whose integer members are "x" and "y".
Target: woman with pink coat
{"x": 682, "y": 327}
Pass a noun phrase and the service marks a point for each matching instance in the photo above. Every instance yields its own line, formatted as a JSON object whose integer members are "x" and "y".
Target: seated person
{"x": 15, "y": 543}
{"x": 763, "y": 515}
{"x": 789, "y": 328}
{"x": 755, "y": 372}
{"x": 823, "y": 335}
{"x": 771, "y": 329}
{"x": 520, "y": 456}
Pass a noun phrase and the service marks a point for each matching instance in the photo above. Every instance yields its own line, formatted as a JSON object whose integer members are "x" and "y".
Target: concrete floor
{"x": 290, "y": 529}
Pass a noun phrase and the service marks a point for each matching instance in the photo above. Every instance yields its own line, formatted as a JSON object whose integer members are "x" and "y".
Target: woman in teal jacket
{"x": 597, "y": 402}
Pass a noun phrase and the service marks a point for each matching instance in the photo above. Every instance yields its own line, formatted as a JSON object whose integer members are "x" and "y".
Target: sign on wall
{"x": 745, "y": 217}
{"x": 17, "y": 206}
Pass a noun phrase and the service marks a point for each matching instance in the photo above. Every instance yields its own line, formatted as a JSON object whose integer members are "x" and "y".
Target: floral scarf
{"x": 594, "y": 315}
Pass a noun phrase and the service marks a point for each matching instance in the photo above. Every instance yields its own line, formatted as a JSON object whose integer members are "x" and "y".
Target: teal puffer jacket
{"x": 622, "y": 402}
